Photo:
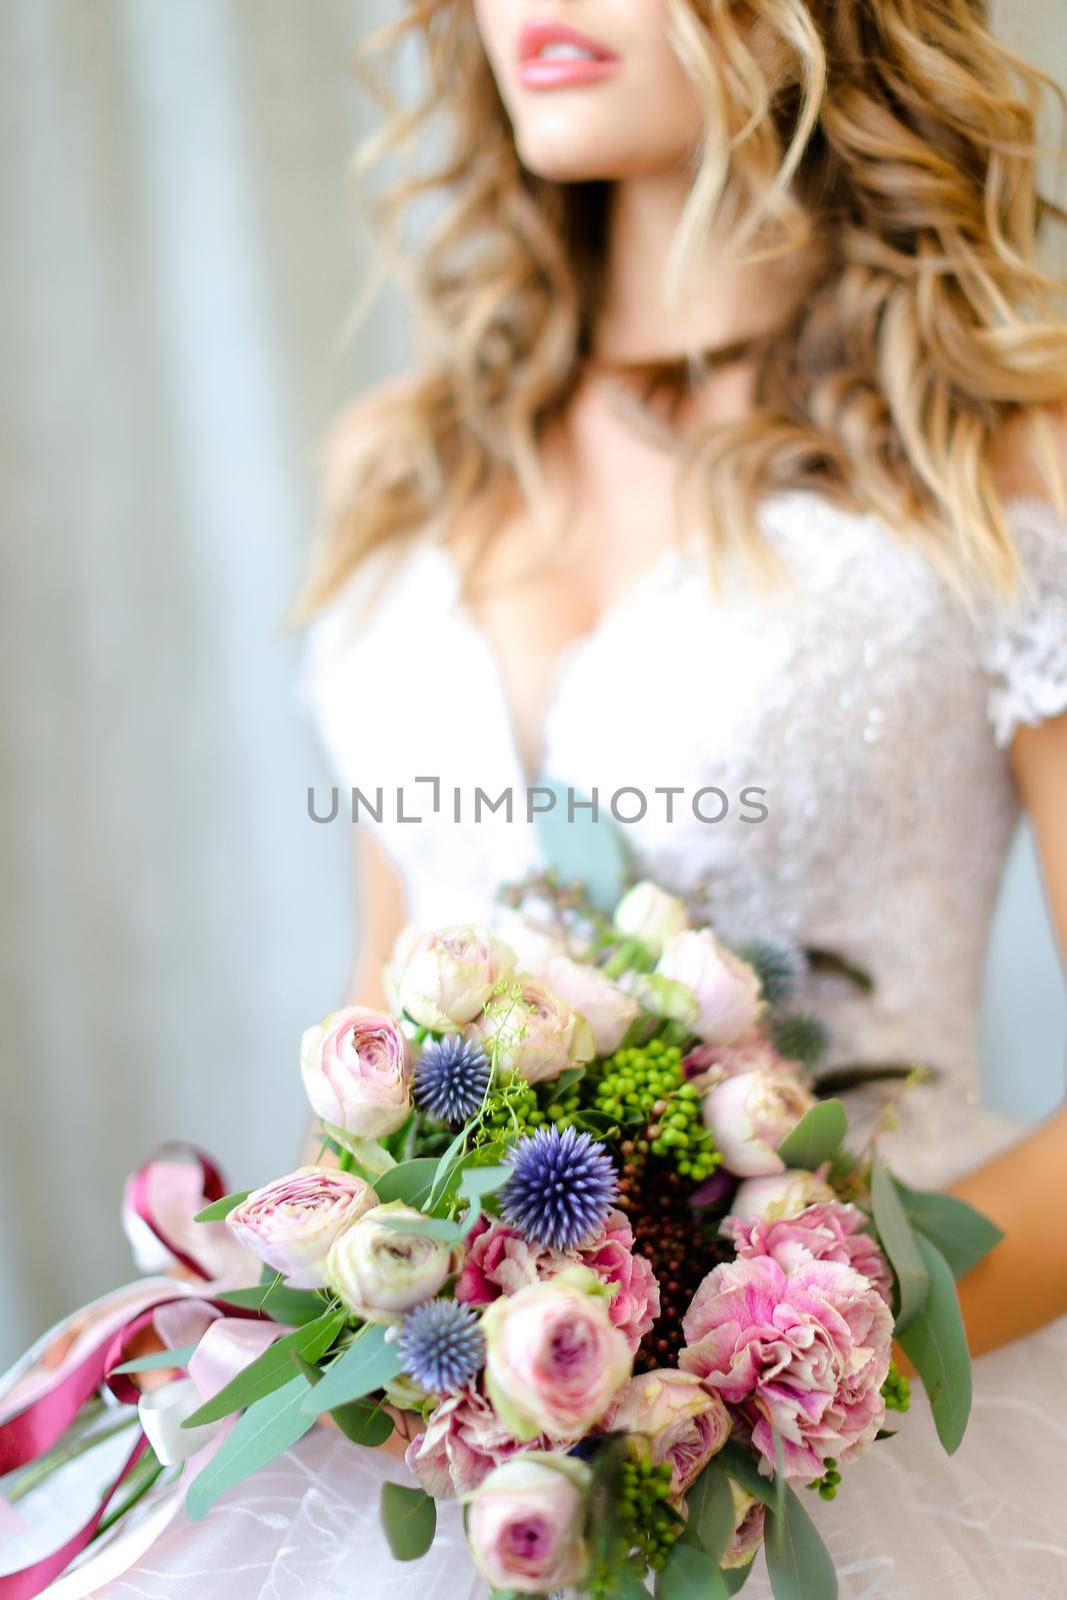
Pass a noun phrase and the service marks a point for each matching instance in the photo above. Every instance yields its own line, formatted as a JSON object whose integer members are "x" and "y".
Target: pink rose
{"x": 749, "y": 1515}
{"x": 554, "y": 1361}
{"x": 356, "y": 1067}
{"x": 725, "y": 988}
{"x": 464, "y": 1440}
{"x": 444, "y": 979}
{"x": 831, "y": 1231}
{"x": 529, "y": 1032}
{"x": 602, "y": 1003}
{"x": 685, "y": 1424}
{"x": 526, "y": 1524}
{"x": 749, "y": 1116}
{"x": 291, "y": 1223}
{"x": 785, "y": 1194}
{"x": 500, "y": 1261}
{"x": 803, "y": 1354}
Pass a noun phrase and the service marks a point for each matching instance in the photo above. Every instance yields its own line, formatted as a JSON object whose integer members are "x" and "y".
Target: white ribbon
{"x": 162, "y": 1412}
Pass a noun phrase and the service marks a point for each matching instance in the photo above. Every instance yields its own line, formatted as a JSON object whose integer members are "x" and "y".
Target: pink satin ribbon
{"x": 139, "y": 1197}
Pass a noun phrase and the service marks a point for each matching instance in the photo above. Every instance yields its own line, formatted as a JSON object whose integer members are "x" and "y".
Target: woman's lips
{"x": 555, "y": 56}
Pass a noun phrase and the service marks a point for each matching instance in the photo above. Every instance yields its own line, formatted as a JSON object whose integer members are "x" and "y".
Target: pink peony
{"x": 784, "y": 1194}
{"x": 526, "y": 1524}
{"x": 828, "y": 1232}
{"x": 608, "y": 1011}
{"x": 725, "y": 988}
{"x": 709, "y": 1064}
{"x": 684, "y": 1423}
{"x": 529, "y": 1032}
{"x": 464, "y": 1440}
{"x": 803, "y": 1354}
{"x": 500, "y": 1261}
{"x": 749, "y": 1116}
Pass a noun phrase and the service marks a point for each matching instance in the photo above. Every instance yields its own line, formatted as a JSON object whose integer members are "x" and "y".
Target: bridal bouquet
{"x": 591, "y": 1242}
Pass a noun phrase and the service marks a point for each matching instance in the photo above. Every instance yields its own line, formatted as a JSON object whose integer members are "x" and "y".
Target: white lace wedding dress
{"x": 874, "y": 711}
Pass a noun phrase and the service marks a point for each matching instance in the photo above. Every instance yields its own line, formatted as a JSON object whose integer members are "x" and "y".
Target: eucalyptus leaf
{"x": 265, "y": 1431}
{"x": 559, "y": 1086}
{"x": 579, "y": 850}
{"x": 409, "y": 1517}
{"x": 798, "y": 1563}
{"x": 410, "y": 1182}
{"x": 817, "y": 1136}
{"x": 270, "y": 1370}
{"x": 631, "y": 1587}
{"x": 278, "y": 1301}
{"x": 425, "y": 1227}
{"x": 735, "y": 1578}
{"x": 218, "y": 1209}
{"x": 901, "y": 1245}
{"x": 690, "y": 1574}
{"x": 479, "y": 1181}
{"x": 371, "y": 1154}
{"x": 177, "y": 1357}
{"x": 711, "y": 1511}
{"x": 936, "y": 1345}
{"x": 367, "y": 1364}
{"x": 364, "y": 1422}
{"x": 739, "y": 1465}
{"x": 962, "y": 1234}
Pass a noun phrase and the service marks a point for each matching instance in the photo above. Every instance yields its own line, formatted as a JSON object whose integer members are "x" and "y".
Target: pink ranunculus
{"x": 291, "y": 1223}
{"x": 803, "y": 1354}
{"x": 725, "y": 988}
{"x": 784, "y": 1194}
{"x": 500, "y": 1261}
{"x": 526, "y": 1524}
{"x": 831, "y": 1231}
{"x": 749, "y": 1516}
{"x": 356, "y": 1067}
{"x": 463, "y": 1441}
{"x": 443, "y": 979}
{"x": 554, "y": 1361}
{"x": 685, "y": 1423}
{"x": 530, "y": 1032}
{"x": 709, "y": 1064}
{"x": 646, "y": 912}
{"x": 608, "y": 1011}
{"x": 749, "y": 1116}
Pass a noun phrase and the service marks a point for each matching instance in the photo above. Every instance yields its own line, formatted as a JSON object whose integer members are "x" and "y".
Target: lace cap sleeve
{"x": 1026, "y": 646}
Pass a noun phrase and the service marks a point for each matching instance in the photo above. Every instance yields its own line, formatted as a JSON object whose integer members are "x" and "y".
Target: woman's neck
{"x": 715, "y": 302}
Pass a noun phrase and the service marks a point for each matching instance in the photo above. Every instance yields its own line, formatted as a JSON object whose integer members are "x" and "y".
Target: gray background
{"x": 181, "y": 253}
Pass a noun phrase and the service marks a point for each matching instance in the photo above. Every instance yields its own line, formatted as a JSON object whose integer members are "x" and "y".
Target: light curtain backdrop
{"x": 180, "y": 256}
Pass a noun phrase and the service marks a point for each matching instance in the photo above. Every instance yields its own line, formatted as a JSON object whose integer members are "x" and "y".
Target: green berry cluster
{"x": 827, "y": 1484}
{"x": 896, "y": 1390}
{"x": 511, "y": 1109}
{"x": 649, "y": 1520}
{"x": 645, "y": 1083}
{"x": 561, "y": 1109}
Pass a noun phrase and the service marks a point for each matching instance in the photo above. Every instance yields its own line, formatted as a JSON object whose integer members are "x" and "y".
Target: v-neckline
{"x": 670, "y": 560}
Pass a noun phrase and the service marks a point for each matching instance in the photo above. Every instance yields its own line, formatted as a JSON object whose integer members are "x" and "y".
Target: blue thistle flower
{"x": 561, "y": 1188}
{"x": 450, "y": 1079}
{"x": 441, "y": 1345}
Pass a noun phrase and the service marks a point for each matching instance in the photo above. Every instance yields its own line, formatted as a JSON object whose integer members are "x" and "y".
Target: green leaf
{"x": 409, "y": 1517}
{"x": 559, "y": 1086}
{"x": 365, "y": 1366}
{"x": 159, "y": 1358}
{"x": 936, "y": 1345}
{"x": 711, "y": 1511}
{"x": 690, "y": 1574}
{"x": 900, "y": 1244}
{"x": 268, "y": 1428}
{"x": 581, "y": 851}
{"x": 817, "y": 1136}
{"x": 270, "y": 1370}
{"x": 779, "y": 1484}
{"x": 479, "y": 1181}
{"x": 631, "y": 1587}
{"x": 739, "y": 1465}
{"x": 364, "y": 1422}
{"x": 735, "y": 1578}
{"x": 425, "y": 1227}
{"x": 222, "y": 1208}
{"x": 277, "y": 1301}
{"x": 371, "y": 1155}
{"x": 798, "y": 1563}
{"x": 962, "y": 1234}
{"x": 410, "y": 1182}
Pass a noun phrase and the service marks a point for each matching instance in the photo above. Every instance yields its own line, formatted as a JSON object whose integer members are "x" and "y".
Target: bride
{"x": 735, "y": 459}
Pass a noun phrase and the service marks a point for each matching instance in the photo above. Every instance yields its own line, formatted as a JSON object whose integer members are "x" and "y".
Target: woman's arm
{"x": 1023, "y": 1284}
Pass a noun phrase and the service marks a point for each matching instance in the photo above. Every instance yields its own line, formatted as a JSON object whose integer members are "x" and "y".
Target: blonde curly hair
{"x": 899, "y": 133}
